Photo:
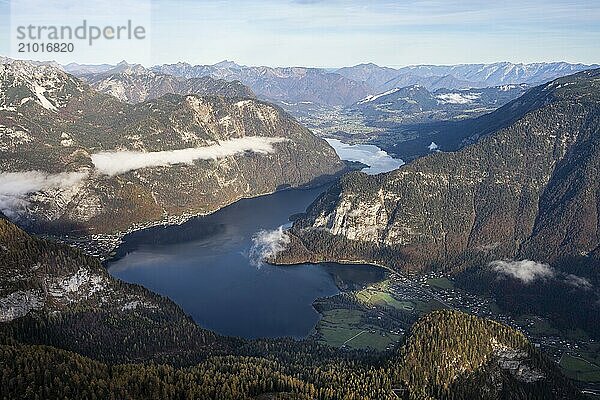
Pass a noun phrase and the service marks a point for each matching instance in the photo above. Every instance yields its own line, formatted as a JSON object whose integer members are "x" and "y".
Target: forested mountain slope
{"x": 52, "y": 295}
{"x": 527, "y": 190}
{"x": 451, "y": 355}
{"x": 80, "y": 162}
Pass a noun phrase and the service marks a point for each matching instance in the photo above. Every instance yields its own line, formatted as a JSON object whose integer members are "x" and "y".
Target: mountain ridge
{"x": 133, "y": 83}
{"x": 395, "y": 226}
{"x": 209, "y": 150}
{"x": 365, "y": 79}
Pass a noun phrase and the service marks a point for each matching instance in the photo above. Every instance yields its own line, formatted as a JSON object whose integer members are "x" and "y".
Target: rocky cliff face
{"x": 527, "y": 189}
{"x": 77, "y": 161}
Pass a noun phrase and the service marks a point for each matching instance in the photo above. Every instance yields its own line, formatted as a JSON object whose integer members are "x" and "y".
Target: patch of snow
{"x": 506, "y": 88}
{"x": 132, "y": 305}
{"x": 457, "y": 98}
{"x": 11, "y": 138}
{"x": 243, "y": 103}
{"x": 81, "y": 284}
{"x": 372, "y": 97}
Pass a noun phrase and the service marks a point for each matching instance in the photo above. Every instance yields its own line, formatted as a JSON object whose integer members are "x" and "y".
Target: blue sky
{"x": 330, "y": 33}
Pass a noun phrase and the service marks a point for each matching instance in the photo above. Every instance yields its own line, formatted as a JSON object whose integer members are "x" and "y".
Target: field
{"x": 377, "y": 295}
{"x": 441, "y": 283}
{"x": 374, "y": 317}
{"x": 579, "y": 369}
{"x": 347, "y": 327}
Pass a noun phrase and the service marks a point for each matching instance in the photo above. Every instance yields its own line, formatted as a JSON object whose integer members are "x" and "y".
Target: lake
{"x": 209, "y": 267}
{"x": 378, "y": 160}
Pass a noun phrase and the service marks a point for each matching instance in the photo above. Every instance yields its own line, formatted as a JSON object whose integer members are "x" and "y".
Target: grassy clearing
{"x": 539, "y": 326}
{"x": 374, "y": 340}
{"x": 579, "y": 369}
{"x": 346, "y": 327}
{"x": 542, "y": 327}
{"x": 424, "y": 307}
{"x": 441, "y": 283}
{"x": 376, "y": 297}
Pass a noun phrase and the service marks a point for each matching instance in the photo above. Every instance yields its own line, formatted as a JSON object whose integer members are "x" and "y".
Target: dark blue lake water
{"x": 205, "y": 266}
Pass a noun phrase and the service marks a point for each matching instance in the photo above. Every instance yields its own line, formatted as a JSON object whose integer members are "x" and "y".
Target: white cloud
{"x": 578, "y": 282}
{"x": 266, "y": 244}
{"x": 117, "y": 162}
{"x": 526, "y": 271}
{"x": 15, "y": 186}
{"x": 433, "y": 146}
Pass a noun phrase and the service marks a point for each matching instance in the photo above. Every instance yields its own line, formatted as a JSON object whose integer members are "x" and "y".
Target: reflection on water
{"x": 378, "y": 160}
{"x": 204, "y": 266}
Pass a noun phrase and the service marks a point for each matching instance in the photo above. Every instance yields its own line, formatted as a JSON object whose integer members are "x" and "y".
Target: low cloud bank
{"x": 15, "y": 186}
{"x": 266, "y": 244}
{"x": 118, "y": 162}
{"x": 528, "y": 271}
{"x": 525, "y": 271}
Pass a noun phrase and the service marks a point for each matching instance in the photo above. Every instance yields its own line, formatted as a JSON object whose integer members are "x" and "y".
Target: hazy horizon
{"x": 325, "y": 34}
{"x": 303, "y": 66}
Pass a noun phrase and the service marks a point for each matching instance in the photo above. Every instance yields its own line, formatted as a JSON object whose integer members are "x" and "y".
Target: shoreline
{"x": 338, "y": 262}
{"x": 103, "y": 245}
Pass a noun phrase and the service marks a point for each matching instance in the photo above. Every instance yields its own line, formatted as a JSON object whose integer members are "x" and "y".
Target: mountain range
{"x": 345, "y": 86}
{"x": 290, "y": 84}
{"x": 77, "y": 161}
{"x": 456, "y": 76}
{"x": 333, "y": 87}
{"x": 553, "y": 124}
{"x": 416, "y": 104}
{"x": 525, "y": 188}
{"x": 509, "y": 209}
{"x": 134, "y": 84}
